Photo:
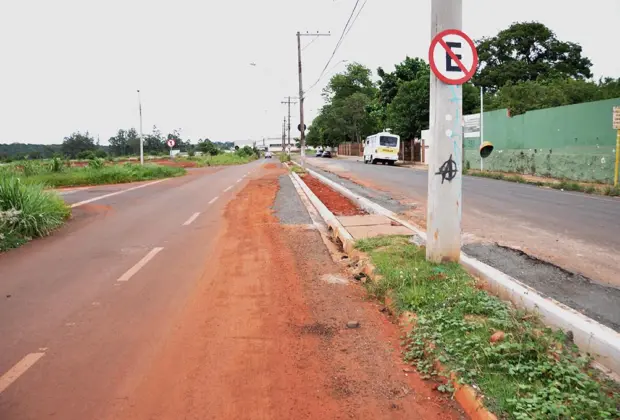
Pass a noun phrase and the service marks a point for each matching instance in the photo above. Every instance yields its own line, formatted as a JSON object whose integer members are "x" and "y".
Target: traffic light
{"x": 485, "y": 149}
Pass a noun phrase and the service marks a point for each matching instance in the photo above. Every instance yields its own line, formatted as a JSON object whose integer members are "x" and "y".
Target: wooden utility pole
{"x": 445, "y": 201}
{"x": 288, "y": 101}
{"x": 302, "y": 125}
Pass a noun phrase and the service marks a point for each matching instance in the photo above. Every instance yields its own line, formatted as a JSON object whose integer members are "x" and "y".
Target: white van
{"x": 382, "y": 147}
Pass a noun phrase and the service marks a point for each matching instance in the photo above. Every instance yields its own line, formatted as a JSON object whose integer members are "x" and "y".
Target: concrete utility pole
{"x": 445, "y": 164}
{"x": 141, "y": 136}
{"x": 481, "y": 124}
{"x": 284, "y": 134}
{"x": 288, "y": 101}
{"x": 302, "y": 126}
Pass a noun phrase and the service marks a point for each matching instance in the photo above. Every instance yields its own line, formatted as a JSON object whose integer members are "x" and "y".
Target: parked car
{"x": 268, "y": 155}
{"x": 327, "y": 154}
{"x": 319, "y": 153}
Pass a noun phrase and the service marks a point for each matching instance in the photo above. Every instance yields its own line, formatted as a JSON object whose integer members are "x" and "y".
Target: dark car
{"x": 327, "y": 154}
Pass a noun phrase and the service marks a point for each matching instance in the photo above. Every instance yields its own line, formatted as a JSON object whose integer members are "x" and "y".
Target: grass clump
{"x": 533, "y": 373}
{"x": 99, "y": 174}
{"x": 27, "y": 211}
{"x": 222, "y": 159}
{"x": 297, "y": 169}
{"x": 284, "y": 157}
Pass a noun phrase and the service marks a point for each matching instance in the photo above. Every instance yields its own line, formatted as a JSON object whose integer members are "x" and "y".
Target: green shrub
{"x": 95, "y": 163}
{"x": 56, "y": 165}
{"x": 27, "y": 211}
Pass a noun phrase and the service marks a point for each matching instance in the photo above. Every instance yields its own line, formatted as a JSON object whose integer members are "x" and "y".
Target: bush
{"x": 95, "y": 163}
{"x": 56, "y": 165}
{"x": 27, "y": 211}
{"x": 86, "y": 154}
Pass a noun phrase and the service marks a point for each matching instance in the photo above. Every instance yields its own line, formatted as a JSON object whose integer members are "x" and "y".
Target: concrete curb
{"x": 337, "y": 230}
{"x": 601, "y": 342}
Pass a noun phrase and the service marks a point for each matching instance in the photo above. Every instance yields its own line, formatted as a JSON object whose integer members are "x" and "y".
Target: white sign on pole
{"x": 171, "y": 143}
{"x": 616, "y": 118}
{"x": 471, "y": 125}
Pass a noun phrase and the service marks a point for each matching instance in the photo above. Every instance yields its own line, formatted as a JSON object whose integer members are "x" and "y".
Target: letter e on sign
{"x": 453, "y": 57}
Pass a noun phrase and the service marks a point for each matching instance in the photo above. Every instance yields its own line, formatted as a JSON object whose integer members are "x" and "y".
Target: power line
{"x": 344, "y": 30}
{"x": 310, "y": 43}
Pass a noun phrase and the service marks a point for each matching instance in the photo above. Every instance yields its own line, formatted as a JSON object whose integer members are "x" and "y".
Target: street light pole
{"x": 481, "y": 124}
{"x": 141, "y": 136}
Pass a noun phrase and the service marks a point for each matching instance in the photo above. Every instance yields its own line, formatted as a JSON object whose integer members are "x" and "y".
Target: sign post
{"x": 170, "y": 144}
{"x": 453, "y": 60}
{"x": 616, "y": 122}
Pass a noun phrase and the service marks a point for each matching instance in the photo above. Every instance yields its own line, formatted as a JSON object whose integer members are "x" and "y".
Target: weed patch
{"x": 27, "y": 211}
{"x": 530, "y": 372}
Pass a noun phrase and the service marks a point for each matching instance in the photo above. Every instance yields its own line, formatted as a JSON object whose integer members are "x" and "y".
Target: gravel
{"x": 288, "y": 206}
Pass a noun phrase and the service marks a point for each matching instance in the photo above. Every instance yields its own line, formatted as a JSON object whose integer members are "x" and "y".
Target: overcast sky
{"x": 72, "y": 65}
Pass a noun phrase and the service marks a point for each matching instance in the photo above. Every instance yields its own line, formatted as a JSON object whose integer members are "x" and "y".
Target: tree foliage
{"x": 528, "y": 51}
{"x": 77, "y": 143}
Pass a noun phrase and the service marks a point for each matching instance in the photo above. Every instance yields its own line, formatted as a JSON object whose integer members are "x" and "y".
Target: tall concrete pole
{"x": 141, "y": 136}
{"x": 445, "y": 172}
{"x": 481, "y": 124}
{"x": 302, "y": 136}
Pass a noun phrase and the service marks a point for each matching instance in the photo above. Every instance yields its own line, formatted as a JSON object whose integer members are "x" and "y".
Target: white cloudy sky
{"x": 76, "y": 64}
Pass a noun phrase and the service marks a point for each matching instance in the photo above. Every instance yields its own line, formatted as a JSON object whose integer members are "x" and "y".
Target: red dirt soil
{"x": 262, "y": 337}
{"x": 334, "y": 201}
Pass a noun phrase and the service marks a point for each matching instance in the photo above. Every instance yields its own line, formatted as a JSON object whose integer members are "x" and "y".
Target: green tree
{"x": 76, "y": 143}
{"x": 118, "y": 144}
{"x": 355, "y": 79}
{"x": 206, "y": 146}
{"x": 527, "y": 51}
{"x": 408, "y": 111}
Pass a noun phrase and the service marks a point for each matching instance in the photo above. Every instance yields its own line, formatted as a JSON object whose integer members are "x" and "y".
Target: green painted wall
{"x": 574, "y": 142}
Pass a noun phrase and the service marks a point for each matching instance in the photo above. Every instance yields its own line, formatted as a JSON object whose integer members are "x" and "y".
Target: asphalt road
{"x": 82, "y": 308}
{"x": 575, "y": 231}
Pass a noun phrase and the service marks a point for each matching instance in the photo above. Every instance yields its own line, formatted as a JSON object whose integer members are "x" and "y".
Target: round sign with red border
{"x": 453, "y": 57}
{"x": 171, "y": 143}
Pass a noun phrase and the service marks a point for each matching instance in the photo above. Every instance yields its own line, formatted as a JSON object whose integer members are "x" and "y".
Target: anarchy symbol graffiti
{"x": 448, "y": 170}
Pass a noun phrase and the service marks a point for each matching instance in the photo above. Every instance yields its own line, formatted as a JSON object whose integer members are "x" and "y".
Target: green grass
{"x": 284, "y": 157}
{"x": 534, "y": 373}
{"x": 223, "y": 159}
{"x": 27, "y": 211}
{"x": 297, "y": 169}
{"x": 116, "y": 174}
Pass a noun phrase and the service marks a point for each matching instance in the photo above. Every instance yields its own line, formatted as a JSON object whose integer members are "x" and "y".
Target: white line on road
{"x": 191, "y": 219}
{"x": 239, "y": 180}
{"x": 213, "y": 200}
{"x": 101, "y": 197}
{"x": 18, "y": 370}
{"x": 228, "y": 189}
{"x": 133, "y": 270}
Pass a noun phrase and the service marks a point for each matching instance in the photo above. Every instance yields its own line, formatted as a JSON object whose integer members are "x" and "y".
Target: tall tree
{"x": 356, "y": 79}
{"x": 527, "y": 51}
{"x": 76, "y": 143}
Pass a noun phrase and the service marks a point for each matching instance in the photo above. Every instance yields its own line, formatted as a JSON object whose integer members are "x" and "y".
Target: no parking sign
{"x": 453, "y": 57}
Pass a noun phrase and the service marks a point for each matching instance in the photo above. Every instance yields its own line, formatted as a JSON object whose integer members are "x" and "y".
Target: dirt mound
{"x": 334, "y": 201}
{"x": 270, "y": 166}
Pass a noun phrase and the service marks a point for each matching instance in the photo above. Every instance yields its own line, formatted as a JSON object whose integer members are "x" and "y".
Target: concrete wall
{"x": 574, "y": 142}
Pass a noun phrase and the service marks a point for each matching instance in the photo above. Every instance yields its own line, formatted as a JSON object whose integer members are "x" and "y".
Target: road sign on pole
{"x": 171, "y": 143}
{"x": 453, "y": 57}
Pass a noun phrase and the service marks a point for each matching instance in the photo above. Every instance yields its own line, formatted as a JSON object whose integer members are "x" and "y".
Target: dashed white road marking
{"x": 228, "y": 189}
{"x": 101, "y": 197}
{"x": 18, "y": 370}
{"x": 191, "y": 219}
{"x": 239, "y": 180}
{"x": 213, "y": 200}
{"x": 133, "y": 270}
